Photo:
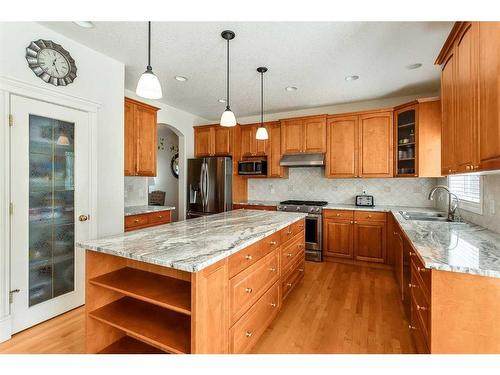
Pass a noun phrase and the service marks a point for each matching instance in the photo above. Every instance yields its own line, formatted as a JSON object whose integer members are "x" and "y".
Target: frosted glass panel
{"x": 51, "y": 209}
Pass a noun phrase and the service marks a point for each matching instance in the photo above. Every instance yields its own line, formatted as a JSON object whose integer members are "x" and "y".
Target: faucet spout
{"x": 451, "y": 208}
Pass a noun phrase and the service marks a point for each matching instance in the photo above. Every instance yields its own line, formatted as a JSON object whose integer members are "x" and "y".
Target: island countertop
{"x": 138, "y": 210}
{"x": 195, "y": 244}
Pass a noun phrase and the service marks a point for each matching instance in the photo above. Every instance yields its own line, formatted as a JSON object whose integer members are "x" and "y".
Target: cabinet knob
{"x": 248, "y": 290}
{"x": 412, "y": 285}
{"x": 248, "y": 257}
{"x": 467, "y": 167}
{"x": 410, "y": 253}
{"x": 160, "y": 216}
{"x": 421, "y": 269}
{"x": 289, "y": 255}
{"x": 423, "y": 308}
{"x": 273, "y": 243}
{"x": 273, "y": 304}
{"x": 136, "y": 220}
{"x": 369, "y": 216}
{"x": 352, "y": 222}
{"x": 272, "y": 269}
{"x": 301, "y": 270}
{"x": 248, "y": 334}
{"x": 337, "y": 215}
{"x": 289, "y": 284}
{"x": 411, "y": 327}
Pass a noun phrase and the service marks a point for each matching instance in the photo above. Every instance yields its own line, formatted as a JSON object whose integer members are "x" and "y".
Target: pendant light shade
{"x": 227, "y": 119}
{"x": 262, "y": 131}
{"x": 149, "y": 86}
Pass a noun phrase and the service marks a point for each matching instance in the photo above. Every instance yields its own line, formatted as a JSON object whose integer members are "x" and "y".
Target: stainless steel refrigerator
{"x": 209, "y": 186}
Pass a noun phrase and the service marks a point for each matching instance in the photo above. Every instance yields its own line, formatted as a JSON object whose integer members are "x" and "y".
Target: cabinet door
{"x": 341, "y": 156}
{"x": 338, "y": 238}
{"x": 315, "y": 134}
{"x": 448, "y": 116}
{"x": 466, "y": 96}
{"x": 375, "y": 145}
{"x": 369, "y": 241}
{"x": 222, "y": 141}
{"x": 145, "y": 124}
{"x": 204, "y": 141}
{"x": 397, "y": 243}
{"x": 292, "y": 136}
{"x": 130, "y": 139}
{"x": 489, "y": 92}
{"x": 274, "y": 150}
{"x": 247, "y": 141}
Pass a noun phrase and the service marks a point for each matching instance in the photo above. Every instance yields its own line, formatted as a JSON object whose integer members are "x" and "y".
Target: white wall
{"x": 100, "y": 80}
{"x": 182, "y": 123}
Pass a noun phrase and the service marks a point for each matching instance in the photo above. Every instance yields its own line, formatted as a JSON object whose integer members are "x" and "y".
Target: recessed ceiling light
{"x": 222, "y": 100}
{"x": 413, "y": 66}
{"x": 84, "y": 24}
{"x": 291, "y": 88}
{"x": 181, "y": 78}
{"x": 351, "y": 78}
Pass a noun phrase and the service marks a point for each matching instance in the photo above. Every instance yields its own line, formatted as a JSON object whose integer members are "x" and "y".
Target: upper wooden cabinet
{"x": 213, "y": 140}
{"x": 274, "y": 169}
{"x": 250, "y": 146}
{"x": 303, "y": 135}
{"x": 140, "y": 138}
{"x": 470, "y": 85}
{"x": 417, "y": 139}
{"x": 360, "y": 145}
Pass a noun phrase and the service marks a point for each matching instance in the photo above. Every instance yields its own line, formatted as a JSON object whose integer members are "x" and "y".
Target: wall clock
{"x": 51, "y": 62}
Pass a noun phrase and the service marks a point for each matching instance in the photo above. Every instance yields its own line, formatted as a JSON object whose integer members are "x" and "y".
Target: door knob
{"x": 84, "y": 217}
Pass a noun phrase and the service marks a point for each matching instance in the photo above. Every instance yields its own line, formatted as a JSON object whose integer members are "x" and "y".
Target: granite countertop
{"x": 137, "y": 210}
{"x": 195, "y": 244}
{"x": 455, "y": 247}
{"x": 258, "y": 203}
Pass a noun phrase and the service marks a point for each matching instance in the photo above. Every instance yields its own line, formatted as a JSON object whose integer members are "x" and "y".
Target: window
{"x": 468, "y": 189}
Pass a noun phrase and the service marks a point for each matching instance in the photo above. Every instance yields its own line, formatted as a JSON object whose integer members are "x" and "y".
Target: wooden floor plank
{"x": 337, "y": 308}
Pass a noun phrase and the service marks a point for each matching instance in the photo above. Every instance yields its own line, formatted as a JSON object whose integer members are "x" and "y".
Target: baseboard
{"x": 353, "y": 262}
{"x": 5, "y": 328}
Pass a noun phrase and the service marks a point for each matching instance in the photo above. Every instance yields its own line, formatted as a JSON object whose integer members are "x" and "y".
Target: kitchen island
{"x": 207, "y": 285}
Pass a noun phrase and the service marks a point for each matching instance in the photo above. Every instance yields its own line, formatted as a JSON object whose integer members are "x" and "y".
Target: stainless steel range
{"x": 314, "y": 229}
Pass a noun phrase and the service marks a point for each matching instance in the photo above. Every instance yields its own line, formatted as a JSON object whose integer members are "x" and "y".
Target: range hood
{"x": 303, "y": 160}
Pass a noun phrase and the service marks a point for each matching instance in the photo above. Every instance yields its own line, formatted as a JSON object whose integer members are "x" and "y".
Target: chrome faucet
{"x": 451, "y": 208}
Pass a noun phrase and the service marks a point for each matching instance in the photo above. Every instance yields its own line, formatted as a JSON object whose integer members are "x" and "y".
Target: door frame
{"x": 9, "y": 87}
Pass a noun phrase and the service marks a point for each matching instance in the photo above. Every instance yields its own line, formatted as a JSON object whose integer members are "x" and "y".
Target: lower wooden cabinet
{"x": 240, "y": 206}
{"x": 355, "y": 235}
{"x": 133, "y": 222}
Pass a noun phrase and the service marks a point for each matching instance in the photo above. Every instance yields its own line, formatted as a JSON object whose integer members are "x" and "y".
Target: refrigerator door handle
{"x": 202, "y": 189}
{"x": 207, "y": 185}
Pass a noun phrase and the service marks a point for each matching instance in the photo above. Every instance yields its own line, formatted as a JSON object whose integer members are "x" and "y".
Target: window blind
{"x": 467, "y": 188}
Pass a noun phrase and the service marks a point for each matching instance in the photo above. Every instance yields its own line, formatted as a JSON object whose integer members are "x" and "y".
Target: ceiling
{"x": 313, "y": 56}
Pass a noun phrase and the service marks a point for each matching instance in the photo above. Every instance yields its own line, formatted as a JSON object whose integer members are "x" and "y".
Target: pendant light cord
{"x": 262, "y": 99}
{"x": 149, "y": 46}
{"x": 227, "y": 78}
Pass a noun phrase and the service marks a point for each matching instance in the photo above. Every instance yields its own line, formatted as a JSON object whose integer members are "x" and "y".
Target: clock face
{"x": 51, "y": 62}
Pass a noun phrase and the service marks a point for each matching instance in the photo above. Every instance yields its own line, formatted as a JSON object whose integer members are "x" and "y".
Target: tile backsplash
{"x": 310, "y": 184}
{"x": 136, "y": 191}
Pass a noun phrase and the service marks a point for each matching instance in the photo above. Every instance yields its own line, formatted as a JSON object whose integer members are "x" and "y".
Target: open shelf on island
{"x": 164, "y": 291}
{"x": 129, "y": 345}
{"x": 162, "y": 328}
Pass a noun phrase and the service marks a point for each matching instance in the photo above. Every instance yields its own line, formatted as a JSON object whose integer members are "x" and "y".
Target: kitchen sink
{"x": 425, "y": 216}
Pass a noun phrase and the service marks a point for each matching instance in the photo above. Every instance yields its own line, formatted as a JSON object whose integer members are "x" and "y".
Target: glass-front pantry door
{"x": 50, "y": 196}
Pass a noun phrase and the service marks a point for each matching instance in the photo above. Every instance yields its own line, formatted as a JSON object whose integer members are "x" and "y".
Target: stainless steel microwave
{"x": 252, "y": 167}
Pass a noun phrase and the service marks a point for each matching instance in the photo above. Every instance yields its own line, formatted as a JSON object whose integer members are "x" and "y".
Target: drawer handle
{"x": 289, "y": 231}
{"x": 412, "y": 327}
{"x": 288, "y": 284}
{"x": 248, "y": 290}
{"x": 337, "y": 215}
{"x": 423, "y": 308}
{"x": 136, "y": 220}
{"x": 160, "y": 216}
{"x": 412, "y": 285}
{"x": 272, "y": 269}
{"x": 248, "y": 257}
{"x": 289, "y": 255}
{"x": 421, "y": 269}
{"x": 248, "y": 334}
{"x": 273, "y": 304}
{"x": 301, "y": 270}
{"x": 369, "y": 216}
{"x": 410, "y": 253}
{"x": 272, "y": 243}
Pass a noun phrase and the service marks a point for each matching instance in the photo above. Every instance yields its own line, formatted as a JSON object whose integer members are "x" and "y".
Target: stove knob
{"x": 298, "y": 208}
{"x": 311, "y": 209}
{"x": 317, "y": 209}
{"x": 284, "y": 208}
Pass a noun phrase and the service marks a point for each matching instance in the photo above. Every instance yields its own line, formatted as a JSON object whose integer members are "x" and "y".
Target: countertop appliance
{"x": 209, "y": 184}
{"x": 252, "y": 167}
{"x": 365, "y": 200}
{"x": 314, "y": 230}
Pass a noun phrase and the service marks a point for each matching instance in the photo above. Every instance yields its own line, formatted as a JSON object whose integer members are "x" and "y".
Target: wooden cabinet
{"x": 355, "y": 235}
{"x": 470, "y": 86}
{"x": 140, "y": 138}
{"x": 213, "y": 140}
{"x": 360, "y": 145}
{"x": 250, "y": 146}
{"x": 417, "y": 138}
{"x": 140, "y": 221}
{"x": 303, "y": 135}
{"x": 274, "y": 170}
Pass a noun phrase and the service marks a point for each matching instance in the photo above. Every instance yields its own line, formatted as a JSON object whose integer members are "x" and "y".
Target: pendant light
{"x": 261, "y": 130}
{"x": 149, "y": 85}
{"x": 227, "y": 119}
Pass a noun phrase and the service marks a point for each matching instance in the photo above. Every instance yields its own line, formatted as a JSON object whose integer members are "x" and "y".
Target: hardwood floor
{"x": 337, "y": 308}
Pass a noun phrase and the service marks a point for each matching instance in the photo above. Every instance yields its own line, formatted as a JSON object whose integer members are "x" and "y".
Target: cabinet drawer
{"x": 250, "y": 284}
{"x": 161, "y": 217}
{"x": 417, "y": 332}
{"x": 292, "y": 277}
{"x": 424, "y": 274}
{"x": 370, "y": 216}
{"x": 421, "y": 303}
{"x": 338, "y": 214}
{"x": 136, "y": 221}
{"x": 245, "y": 333}
{"x": 290, "y": 251}
{"x": 290, "y": 231}
{"x": 250, "y": 255}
